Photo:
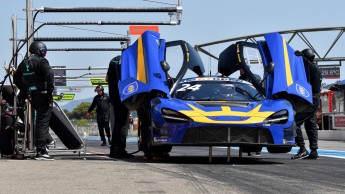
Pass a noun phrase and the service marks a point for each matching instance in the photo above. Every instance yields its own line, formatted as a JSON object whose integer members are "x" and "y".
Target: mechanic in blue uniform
{"x": 102, "y": 102}
{"x": 35, "y": 79}
{"x": 121, "y": 112}
{"x": 308, "y": 116}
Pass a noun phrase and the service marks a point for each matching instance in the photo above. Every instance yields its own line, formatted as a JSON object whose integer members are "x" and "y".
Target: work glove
{"x": 87, "y": 114}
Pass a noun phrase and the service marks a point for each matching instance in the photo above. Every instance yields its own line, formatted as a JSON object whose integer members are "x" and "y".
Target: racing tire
{"x": 276, "y": 150}
{"x": 157, "y": 150}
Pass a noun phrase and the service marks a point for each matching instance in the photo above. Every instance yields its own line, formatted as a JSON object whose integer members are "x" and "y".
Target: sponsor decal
{"x": 301, "y": 90}
{"x": 98, "y": 81}
{"x": 63, "y": 96}
{"x": 157, "y": 139}
{"x": 130, "y": 88}
{"x": 70, "y": 89}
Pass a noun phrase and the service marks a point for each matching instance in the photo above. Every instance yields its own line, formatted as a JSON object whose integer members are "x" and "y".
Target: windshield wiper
{"x": 244, "y": 92}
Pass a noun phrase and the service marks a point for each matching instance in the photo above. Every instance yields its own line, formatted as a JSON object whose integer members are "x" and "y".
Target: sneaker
{"x": 104, "y": 143}
{"x": 40, "y": 156}
{"x": 313, "y": 155}
{"x": 302, "y": 153}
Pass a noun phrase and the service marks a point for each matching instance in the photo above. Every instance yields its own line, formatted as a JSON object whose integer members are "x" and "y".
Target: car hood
{"x": 228, "y": 112}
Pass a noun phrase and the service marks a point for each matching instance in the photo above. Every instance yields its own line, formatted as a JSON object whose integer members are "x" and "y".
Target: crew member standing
{"x": 102, "y": 102}
{"x": 308, "y": 116}
{"x": 121, "y": 112}
{"x": 35, "y": 79}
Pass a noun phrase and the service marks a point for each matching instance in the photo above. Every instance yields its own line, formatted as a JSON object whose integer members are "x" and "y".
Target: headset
{"x": 99, "y": 87}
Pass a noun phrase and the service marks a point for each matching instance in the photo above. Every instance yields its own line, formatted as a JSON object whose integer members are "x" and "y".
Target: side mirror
{"x": 165, "y": 66}
{"x": 270, "y": 67}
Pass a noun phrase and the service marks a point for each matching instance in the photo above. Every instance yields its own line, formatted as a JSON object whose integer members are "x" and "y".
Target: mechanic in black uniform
{"x": 308, "y": 116}
{"x": 102, "y": 102}
{"x": 35, "y": 79}
{"x": 7, "y": 121}
{"x": 121, "y": 112}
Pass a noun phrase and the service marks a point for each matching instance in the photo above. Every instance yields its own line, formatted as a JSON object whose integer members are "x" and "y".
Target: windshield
{"x": 214, "y": 90}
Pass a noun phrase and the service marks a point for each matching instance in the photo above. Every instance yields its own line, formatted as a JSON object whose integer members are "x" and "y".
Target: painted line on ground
{"x": 321, "y": 152}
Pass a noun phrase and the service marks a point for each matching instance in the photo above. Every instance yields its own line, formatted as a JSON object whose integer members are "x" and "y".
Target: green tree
{"x": 79, "y": 112}
{"x": 82, "y": 122}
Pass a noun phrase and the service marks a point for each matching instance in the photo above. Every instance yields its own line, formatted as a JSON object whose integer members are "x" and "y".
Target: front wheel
{"x": 157, "y": 150}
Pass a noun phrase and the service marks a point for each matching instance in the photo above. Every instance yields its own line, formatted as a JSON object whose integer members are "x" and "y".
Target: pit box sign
{"x": 98, "y": 81}
{"x": 63, "y": 96}
{"x": 138, "y": 30}
{"x": 339, "y": 122}
{"x": 59, "y": 75}
{"x": 330, "y": 72}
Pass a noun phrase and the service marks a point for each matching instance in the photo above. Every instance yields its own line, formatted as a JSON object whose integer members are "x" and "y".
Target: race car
{"x": 222, "y": 111}
{"x": 216, "y": 110}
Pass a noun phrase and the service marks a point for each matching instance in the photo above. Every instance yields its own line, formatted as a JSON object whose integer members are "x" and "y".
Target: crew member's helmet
{"x": 38, "y": 48}
{"x": 309, "y": 54}
{"x": 99, "y": 87}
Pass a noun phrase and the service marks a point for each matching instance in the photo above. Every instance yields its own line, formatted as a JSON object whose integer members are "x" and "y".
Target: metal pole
{"x": 210, "y": 154}
{"x": 14, "y": 36}
{"x": 228, "y": 154}
{"x": 240, "y": 152}
{"x": 29, "y": 26}
{"x": 31, "y": 128}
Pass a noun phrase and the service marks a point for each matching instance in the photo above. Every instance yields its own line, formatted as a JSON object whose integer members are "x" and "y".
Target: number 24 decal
{"x": 189, "y": 87}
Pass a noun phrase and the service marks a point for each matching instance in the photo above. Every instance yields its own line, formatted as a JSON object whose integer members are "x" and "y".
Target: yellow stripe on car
{"x": 141, "y": 71}
{"x": 289, "y": 80}
{"x": 198, "y": 115}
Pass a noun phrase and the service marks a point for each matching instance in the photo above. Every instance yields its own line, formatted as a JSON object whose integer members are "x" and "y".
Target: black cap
{"x": 38, "y": 48}
{"x": 99, "y": 87}
{"x": 309, "y": 54}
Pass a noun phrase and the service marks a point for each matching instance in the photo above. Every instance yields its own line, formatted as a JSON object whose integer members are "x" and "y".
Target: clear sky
{"x": 202, "y": 21}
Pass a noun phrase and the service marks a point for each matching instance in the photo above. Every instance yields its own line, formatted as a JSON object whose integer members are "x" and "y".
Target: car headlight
{"x": 279, "y": 117}
{"x": 172, "y": 116}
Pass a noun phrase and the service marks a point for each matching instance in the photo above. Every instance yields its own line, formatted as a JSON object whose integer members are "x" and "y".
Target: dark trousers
{"x": 144, "y": 119}
{"x": 49, "y": 138}
{"x": 308, "y": 117}
{"x": 43, "y": 107}
{"x": 103, "y": 124}
{"x": 121, "y": 114}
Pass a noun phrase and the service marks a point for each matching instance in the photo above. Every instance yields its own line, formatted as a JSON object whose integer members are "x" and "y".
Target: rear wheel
{"x": 275, "y": 150}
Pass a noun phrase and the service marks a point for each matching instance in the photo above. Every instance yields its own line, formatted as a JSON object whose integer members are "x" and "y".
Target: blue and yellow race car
{"x": 216, "y": 110}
